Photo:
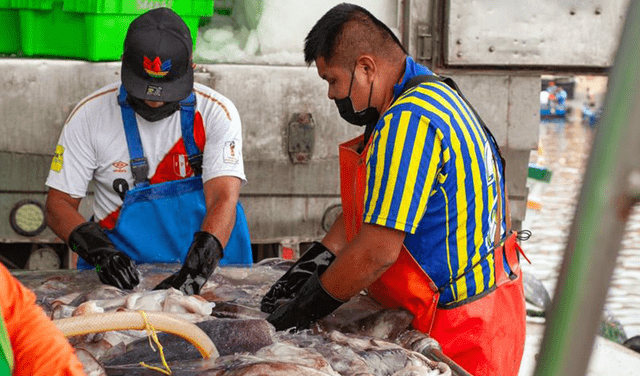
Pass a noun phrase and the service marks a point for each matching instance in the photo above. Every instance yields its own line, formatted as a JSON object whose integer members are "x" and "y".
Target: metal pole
{"x": 597, "y": 229}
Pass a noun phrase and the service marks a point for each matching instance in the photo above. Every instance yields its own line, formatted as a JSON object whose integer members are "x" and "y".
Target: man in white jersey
{"x": 165, "y": 155}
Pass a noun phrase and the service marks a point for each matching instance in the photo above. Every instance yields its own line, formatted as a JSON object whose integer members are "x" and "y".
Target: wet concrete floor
{"x": 564, "y": 148}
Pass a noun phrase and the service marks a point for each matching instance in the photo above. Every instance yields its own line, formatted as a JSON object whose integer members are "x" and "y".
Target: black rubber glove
{"x": 114, "y": 268}
{"x": 312, "y": 303}
{"x": 203, "y": 257}
{"x": 316, "y": 258}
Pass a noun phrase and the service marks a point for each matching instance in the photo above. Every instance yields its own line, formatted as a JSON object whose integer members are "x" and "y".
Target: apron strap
{"x": 139, "y": 164}
{"x": 187, "y": 117}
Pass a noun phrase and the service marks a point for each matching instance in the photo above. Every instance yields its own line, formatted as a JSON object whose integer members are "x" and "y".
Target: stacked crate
{"x": 91, "y": 30}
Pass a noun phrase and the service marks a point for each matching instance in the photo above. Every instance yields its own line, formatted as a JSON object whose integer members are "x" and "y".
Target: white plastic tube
{"x": 105, "y": 322}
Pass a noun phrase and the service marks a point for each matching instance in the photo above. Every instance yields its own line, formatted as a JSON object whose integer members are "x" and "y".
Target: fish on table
{"x": 358, "y": 338}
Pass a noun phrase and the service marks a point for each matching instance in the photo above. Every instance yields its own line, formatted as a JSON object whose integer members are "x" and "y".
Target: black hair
{"x": 369, "y": 34}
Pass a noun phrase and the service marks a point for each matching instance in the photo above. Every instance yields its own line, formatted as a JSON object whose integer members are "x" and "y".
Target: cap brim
{"x": 157, "y": 90}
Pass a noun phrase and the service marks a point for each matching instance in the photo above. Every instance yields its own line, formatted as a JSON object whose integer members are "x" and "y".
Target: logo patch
{"x": 119, "y": 166}
{"x": 156, "y": 68}
{"x": 230, "y": 154}
{"x": 181, "y": 166}
{"x": 58, "y": 159}
{"x": 156, "y": 91}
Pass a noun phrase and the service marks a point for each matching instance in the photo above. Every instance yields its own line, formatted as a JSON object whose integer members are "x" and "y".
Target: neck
{"x": 394, "y": 78}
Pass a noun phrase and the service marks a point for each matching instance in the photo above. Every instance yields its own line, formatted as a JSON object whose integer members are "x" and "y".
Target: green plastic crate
{"x": 10, "y": 21}
{"x": 91, "y": 29}
{"x": 539, "y": 173}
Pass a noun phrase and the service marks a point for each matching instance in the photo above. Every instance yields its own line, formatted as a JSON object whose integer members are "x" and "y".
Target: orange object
{"x": 534, "y": 205}
{"x": 287, "y": 253}
{"x": 39, "y": 348}
{"x": 484, "y": 335}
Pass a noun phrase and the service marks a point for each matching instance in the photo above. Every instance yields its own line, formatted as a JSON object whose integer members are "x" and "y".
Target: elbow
{"x": 381, "y": 258}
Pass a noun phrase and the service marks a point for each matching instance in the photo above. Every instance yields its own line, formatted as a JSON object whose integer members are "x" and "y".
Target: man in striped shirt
{"x": 425, "y": 222}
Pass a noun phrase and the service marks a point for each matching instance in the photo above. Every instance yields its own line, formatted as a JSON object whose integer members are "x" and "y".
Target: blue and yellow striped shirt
{"x": 431, "y": 173}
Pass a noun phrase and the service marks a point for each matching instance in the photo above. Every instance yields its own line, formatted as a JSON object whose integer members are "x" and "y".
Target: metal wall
{"x": 538, "y": 33}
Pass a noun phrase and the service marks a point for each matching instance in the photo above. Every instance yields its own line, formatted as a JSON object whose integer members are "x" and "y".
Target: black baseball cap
{"x": 156, "y": 62}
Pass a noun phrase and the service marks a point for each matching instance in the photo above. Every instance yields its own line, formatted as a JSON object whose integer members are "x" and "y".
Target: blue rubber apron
{"x": 157, "y": 222}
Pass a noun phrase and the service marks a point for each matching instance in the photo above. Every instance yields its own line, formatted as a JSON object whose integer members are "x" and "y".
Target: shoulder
{"x": 209, "y": 100}
{"x": 434, "y": 100}
{"x": 98, "y": 101}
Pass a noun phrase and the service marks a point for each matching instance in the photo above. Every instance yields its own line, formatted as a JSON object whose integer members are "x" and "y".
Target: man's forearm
{"x": 363, "y": 261}
{"x": 220, "y": 219}
{"x": 62, "y": 213}
{"x": 221, "y": 196}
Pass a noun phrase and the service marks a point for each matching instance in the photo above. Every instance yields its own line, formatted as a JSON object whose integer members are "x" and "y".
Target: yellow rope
{"x": 152, "y": 335}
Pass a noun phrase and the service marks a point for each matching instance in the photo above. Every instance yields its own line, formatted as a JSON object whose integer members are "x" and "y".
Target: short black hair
{"x": 368, "y": 35}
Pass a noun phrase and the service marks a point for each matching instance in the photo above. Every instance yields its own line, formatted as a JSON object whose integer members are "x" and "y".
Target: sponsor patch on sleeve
{"x": 58, "y": 159}
{"x": 230, "y": 153}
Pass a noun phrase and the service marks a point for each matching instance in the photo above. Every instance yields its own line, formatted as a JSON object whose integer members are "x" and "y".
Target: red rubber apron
{"x": 404, "y": 284}
{"x": 484, "y": 336}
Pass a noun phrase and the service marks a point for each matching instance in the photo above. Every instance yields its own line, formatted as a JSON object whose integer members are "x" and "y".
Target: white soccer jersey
{"x": 93, "y": 146}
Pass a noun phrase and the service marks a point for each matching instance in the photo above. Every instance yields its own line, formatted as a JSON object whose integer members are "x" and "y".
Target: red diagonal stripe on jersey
{"x": 165, "y": 171}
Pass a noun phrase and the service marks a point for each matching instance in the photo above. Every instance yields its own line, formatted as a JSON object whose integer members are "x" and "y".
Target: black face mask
{"x": 152, "y": 114}
{"x": 369, "y": 115}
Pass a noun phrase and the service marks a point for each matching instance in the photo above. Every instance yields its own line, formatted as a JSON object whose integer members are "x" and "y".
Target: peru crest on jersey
{"x": 181, "y": 165}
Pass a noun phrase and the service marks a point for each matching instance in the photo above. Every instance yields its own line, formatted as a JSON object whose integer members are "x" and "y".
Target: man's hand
{"x": 312, "y": 302}
{"x": 203, "y": 257}
{"x": 316, "y": 259}
{"x": 114, "y": 267}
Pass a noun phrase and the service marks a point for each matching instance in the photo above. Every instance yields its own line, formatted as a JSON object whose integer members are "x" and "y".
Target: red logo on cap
{"x": 156, "y": 68}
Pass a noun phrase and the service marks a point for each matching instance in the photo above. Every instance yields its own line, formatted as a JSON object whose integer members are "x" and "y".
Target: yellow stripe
{"x": 380, "y": 162}
{"x": 492, "y": 199}
{"x": 475, "y": 174}
{"x": 492, "y": 280}
{"x": 375, "y": 137}
{"x": 461, "y": 194}
{"x": 412, "y": 172}
{"x": 446, "y": 155}
{"x": 446, "y": 208}
{"x": 394, "y": 168}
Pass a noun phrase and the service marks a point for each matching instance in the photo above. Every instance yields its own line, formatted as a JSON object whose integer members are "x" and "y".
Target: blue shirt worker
{"x": 425, "y": 223}
{"x": 165, "y": 155}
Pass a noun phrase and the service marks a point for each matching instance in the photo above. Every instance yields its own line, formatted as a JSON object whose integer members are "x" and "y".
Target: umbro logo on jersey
{"x": 156, "y": 68}
{"x": 119, "y": 166}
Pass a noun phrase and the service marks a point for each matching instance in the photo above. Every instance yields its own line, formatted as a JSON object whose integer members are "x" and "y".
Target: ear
{"x": 368, "y": 66}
